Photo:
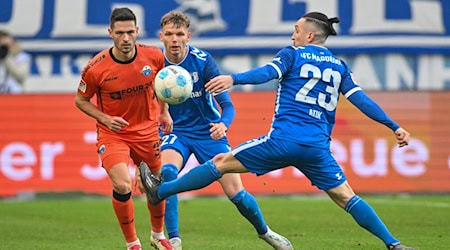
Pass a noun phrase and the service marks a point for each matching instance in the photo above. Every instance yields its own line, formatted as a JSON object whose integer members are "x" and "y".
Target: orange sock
{"x": 124, "y": 211}
{"x": 157, "y": 216}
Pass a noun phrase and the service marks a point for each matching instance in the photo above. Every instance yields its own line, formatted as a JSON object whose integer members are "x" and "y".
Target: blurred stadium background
{"x": 399, "y": 51}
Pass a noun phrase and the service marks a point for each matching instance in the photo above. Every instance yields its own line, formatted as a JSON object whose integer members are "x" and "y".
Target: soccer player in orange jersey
{"x": 128, "y": 115}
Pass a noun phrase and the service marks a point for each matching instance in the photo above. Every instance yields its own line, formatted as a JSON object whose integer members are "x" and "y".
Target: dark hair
{"x": 177, "y": 18}
{"x": 4, "y": 33}
{"x": 121, "y": 14}
{"x": 323, "y": 22}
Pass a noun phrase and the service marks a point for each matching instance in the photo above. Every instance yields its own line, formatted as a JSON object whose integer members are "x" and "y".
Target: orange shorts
{"x": 113, "y": 150}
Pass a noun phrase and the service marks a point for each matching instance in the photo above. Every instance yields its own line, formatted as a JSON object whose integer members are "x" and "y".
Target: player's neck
{"x": 176, "y": 58}
{"x": 119, "y": 55}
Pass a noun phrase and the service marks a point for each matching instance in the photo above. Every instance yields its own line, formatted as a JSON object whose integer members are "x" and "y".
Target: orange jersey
{"x": 125, "y": 89}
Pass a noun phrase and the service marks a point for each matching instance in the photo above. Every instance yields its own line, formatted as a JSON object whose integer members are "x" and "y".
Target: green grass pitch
{"x": 310, "y": 222}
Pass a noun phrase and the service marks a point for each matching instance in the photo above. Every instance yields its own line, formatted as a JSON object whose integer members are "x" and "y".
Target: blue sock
{"x": 248, "y": 207}
{"x": 366, "y": 217}
{"x": 169, "y": 172}
{"x": 197, "y": 178}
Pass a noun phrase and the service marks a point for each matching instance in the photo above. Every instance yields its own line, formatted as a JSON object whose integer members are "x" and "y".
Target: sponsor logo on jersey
{"x": 195, "y": 94}
{"x": 131, "y": 91}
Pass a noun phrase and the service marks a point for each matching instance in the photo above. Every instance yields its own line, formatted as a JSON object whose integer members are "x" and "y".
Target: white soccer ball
{"x": 173, "y": 84}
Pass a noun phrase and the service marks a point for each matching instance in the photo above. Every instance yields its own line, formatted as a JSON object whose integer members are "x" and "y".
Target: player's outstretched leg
{"x": 367, "y": 218}
{"x": 400, "y": 247}
{"x": 150, "y": 183}
{"x": 277, "y": 241}
{"x": 197, "y": 178}
{"x": 248, "y": 207}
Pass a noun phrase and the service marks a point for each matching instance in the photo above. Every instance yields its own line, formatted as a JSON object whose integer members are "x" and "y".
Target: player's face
{"x": 175, "y": 41}
{"x": 124, "y": 34}
{"x": 301, "y": 35}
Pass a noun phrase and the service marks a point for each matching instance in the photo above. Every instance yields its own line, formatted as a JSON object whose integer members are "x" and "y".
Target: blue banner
{"x": 234, "y": 26}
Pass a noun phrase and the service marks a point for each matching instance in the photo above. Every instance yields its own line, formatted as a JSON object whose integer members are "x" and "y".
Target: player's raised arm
{"x": 219, "y": 84}
{"x": 164, "y": 118}
{"x": 372, "y": 110}
{"x": 263, "y": 74}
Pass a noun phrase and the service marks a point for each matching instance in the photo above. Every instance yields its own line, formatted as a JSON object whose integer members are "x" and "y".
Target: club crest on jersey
{"x": 194, "y": 76}
{"x": 102, "y": 149}
{"x": 146, "y": 70}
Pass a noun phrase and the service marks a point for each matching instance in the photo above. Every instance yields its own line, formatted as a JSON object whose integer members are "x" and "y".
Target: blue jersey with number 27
{"x": 311, "y": 80}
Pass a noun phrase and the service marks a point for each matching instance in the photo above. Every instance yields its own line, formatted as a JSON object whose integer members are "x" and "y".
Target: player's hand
{"x": 219, "y": 84}
{"x": 402, "y": 137}
{"x": 166, "y": 123}
{"x": 138, "y": 182}
{"x": 116, "y": 123}
{"x": 218, "y": 130}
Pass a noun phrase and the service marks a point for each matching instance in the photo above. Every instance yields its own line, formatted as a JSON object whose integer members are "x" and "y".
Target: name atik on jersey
{"x": 315, "y": 113}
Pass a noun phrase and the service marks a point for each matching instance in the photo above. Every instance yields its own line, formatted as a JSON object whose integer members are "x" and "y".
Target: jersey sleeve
{"x": 283, "y": 60}
{"x": 211, "y": 68}
{"x": 364, "y": 103}
{"x": 275, "y": 69}
{"x": 88, "y": 85}
{"x": 228, "y": 111}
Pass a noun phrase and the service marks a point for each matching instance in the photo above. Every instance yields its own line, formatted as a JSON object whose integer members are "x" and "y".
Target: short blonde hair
{"x": 177, "y": 18}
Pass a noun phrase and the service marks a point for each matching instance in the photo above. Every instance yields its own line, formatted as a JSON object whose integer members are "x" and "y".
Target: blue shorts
{"x": 204, "y": 149}
{"x": 265, "y": 154}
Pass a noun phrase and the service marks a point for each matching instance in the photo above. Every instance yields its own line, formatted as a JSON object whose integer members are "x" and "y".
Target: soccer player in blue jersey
{"x": 311, "y": 80}
{"x": 199, "y": 128}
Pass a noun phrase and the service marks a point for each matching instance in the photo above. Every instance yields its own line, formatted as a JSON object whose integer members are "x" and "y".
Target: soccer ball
{"x": 173, "y": 84}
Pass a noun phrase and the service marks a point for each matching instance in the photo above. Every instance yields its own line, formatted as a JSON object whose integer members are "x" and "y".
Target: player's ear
{"x": 137, "y": 31}
{"x": 188, "y": 36}
{"x": 110, "y": 32}
{"x": 311, "y": 36}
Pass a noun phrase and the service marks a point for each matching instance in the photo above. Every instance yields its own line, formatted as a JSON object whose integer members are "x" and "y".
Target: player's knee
{"x": 122, "y": 186}
{"x": 220, "y": 159}
{"x": 341, "y": 194}
{"x": 226, "y": 163}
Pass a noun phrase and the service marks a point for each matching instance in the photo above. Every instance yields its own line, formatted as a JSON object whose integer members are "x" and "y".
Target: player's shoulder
{"x": 150, "y": 52}
{"x": 97, "y": 60}
{"x": 289, "y": 50}
{"x": 196, "y": 49}
{"x": 199, "y": 53}
{"x": 146, "y": 48}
